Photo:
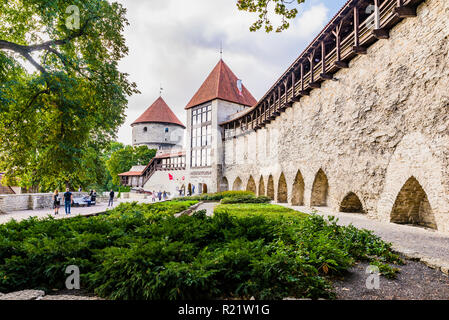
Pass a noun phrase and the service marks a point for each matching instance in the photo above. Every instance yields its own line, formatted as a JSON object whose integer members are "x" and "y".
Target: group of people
{"x": 68, "y": 200}
{"x": 159, "y": 195}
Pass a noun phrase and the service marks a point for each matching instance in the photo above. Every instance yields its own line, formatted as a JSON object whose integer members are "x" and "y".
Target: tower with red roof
{"x": 221, "y": 96}
{"x": 158, "y": 128}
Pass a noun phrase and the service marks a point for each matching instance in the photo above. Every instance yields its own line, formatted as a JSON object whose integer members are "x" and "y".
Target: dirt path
{"x": 415, "y": 281}
{"x": 209, "y": 207}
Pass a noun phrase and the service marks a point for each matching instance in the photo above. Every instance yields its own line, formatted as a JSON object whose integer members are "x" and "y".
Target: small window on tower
{"x": 145, "y": 129}
{"x": 166, "y": 130}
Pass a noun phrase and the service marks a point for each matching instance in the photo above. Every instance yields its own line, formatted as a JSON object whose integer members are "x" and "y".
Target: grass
{"x": 262, "y": 209}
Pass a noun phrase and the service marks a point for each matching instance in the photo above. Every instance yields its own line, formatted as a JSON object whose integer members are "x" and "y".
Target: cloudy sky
{"x": 176, "y": 43}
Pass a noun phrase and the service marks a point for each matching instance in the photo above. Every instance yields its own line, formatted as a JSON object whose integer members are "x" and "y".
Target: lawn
{"x": 141, "y": 251}
{"x": 262, "y": 209}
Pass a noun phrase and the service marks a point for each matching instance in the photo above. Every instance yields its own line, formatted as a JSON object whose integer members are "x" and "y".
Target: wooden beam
{"x": 381, "y": 33}
{"x": 293, "y": 85}
{"x": 286, "y": 90}
{"x": 313, "y": 83}
{"x": 341, "y": 64}
{"x": 324, "y": 74}
{"x": 336, "y": 32}
{"x": 378, "y": 32}
{"x": 279, "y": 96}
{"x": 404, "y": 11}
{"x": 302, "y": 77}
{"x": 357, "y": 48}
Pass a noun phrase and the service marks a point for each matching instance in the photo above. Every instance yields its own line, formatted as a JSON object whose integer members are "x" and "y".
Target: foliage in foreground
{"x": 143, "y": 252}
{"x": 57, "y": 117}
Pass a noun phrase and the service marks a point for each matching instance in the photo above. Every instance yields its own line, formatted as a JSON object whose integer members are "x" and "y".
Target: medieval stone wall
{"x": 30, "y": 201}
{"x": 385, "y": 121}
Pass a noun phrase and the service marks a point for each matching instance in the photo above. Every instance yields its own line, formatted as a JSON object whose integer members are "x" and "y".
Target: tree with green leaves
{"x": 123, "y": 159}
{"x": 62, "y": 97}
{"x": 286, "y": 9}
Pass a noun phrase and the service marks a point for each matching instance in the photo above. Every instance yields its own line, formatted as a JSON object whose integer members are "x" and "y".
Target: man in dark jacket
{"x": 68, "y": 198}
{"x": 111, "y": 198}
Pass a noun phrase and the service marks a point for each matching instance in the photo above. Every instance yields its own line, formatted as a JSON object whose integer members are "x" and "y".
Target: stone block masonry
{"x": 30, "y": 201}
{"x": 375, "y": 141}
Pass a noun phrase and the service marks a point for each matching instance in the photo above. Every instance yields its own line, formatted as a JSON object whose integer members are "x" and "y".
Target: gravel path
{"x": 209, "y": 207}
{"x": 427, "y": 245}
{"x": 415, "y": 281}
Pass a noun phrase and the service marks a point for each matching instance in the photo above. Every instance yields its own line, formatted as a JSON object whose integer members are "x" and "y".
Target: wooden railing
{"x": 345, "y": 37}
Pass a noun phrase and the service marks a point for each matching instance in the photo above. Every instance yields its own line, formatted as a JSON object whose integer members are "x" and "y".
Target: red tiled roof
{"x": 131, "y": 173}
{"x": 5, "y": 189}
{"x": 221, "y": 84}
{"x": 159, "y": 111}
{"x": 171, "y": 155}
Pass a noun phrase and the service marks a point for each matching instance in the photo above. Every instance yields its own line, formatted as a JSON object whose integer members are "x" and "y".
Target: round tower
{"x": 158, "y": 128}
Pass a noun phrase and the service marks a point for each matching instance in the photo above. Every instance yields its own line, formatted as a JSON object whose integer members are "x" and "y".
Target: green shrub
{"x": 217, "y": 196}
{"x": 141, "y": 251}
{"x": 245, "y": 199}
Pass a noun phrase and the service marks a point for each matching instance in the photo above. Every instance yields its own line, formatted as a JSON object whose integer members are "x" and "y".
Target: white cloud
{"x": 176, "y": 43}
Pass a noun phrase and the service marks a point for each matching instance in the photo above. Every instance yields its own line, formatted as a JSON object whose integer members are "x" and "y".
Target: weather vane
{"x": 221, "y": 49}
{"x": 160, "y": 90}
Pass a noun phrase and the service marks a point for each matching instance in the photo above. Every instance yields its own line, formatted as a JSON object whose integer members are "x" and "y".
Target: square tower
{"x": 220, "y": 96}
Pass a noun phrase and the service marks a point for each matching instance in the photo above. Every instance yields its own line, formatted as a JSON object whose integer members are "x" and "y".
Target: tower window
{"x": 145, "y": 129}
{"x": 166, "y": 130}
{"x": 201, "y": 136}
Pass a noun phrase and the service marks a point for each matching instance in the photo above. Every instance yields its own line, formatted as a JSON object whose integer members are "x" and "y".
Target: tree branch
{"x": 47, "y": 46}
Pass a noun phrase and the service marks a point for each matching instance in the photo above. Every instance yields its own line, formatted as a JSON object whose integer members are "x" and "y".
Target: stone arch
{"x": 298, "y": 190}
{"x": 251, "y": 185}
{"x": 261, "y": 187}
{"x": 320, "y": 190}
{"x": 282, "y": 190}
{"x": 204, "y": 188}
{"x": 270, "y": 187}
{"x": 237, "y": 185}
{"x": 224, "y": 185}
{"x": 351, "y": 203}
{"x": 412, "y": 206}
{"x": 419, "y": 157}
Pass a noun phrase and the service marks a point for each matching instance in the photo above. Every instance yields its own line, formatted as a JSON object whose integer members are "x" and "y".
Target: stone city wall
{"x": 29, "y": 201}
{"x": 375, "y": 141}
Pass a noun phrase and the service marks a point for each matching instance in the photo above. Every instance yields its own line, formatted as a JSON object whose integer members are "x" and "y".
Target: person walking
{"x": 159, "y": 195}
{"x": 165, "y": 195}
{"x": 80, "y": 189}
{"x": 93, "y": 197}
{"x": 68, "y": 198}
{"x": 56, "y": 201}
{"x": 111, "y": 198}
{"x": 153, "y": 197}
{"x": 90, "y": 198}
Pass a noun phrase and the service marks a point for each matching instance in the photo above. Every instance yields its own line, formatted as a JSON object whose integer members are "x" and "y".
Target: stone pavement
{"x": 208, "y": 206}
{"x": 429, "y": 246}
{"x": 75, "y": 211}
